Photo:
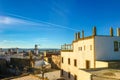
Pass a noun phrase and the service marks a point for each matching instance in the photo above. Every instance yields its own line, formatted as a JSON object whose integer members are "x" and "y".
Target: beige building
{"x": 53, "y": 57}
{"x": 88, "y": 52}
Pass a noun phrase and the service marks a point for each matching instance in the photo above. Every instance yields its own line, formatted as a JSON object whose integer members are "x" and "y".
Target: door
{"x": 87, "y": 64}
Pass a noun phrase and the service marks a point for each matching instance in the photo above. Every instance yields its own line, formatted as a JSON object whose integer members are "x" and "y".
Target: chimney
{"x": 78, "y": 35}
{"x": 111, "y": 31}
{"x": 82, "y": 34}
{"x": 118, "y": 32}
{"x": 75, "y": 36}
{"x": 94, "y": 31}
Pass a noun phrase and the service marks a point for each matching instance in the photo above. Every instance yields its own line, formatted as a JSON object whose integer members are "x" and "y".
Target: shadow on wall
{"x": 55, "y": 61}
{"x": 55, "y": 65}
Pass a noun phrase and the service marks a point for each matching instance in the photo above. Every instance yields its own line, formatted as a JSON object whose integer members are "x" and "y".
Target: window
{"x": 62, "y": 59}
{"x": 75, "y": 77}
{"x": 61, "y": 72}
{"x": 68, "y": 60}
{"x": 90, "y": 47}
{"x": 87, "y": 64}
{"x": 79, "y": 48}
{"x": 115, "y": 45}
{"x": 75, "y": 62}
{"x": 68, "y": 74}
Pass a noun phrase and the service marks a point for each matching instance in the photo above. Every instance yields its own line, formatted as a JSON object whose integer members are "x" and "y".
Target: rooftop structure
{"x": 89, "y": 52}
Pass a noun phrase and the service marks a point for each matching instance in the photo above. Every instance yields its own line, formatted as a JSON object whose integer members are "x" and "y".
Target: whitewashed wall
{"x": 104, "y": 48}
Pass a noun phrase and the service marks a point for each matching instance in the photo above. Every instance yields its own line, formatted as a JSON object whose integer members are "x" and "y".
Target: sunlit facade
{"x": 88, "y": 52}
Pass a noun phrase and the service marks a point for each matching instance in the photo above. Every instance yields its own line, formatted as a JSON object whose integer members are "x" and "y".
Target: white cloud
{"x": 12, "y": 20}
{"x": 11, "y": 41}
{"x": 7, "y": 20}
{"x": 27, "y": 21}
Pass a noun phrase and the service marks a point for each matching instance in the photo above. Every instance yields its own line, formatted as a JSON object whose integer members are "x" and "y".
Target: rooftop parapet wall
{"x": 94, "y": 33}
{"x": 78, "y": 37}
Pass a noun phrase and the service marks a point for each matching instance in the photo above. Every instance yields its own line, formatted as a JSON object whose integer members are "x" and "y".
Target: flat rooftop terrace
{"x": 104, "y": 74}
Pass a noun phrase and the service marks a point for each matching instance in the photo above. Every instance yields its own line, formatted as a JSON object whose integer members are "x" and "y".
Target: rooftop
{"x": 28, "y": 77}
{"x": 105, "y": 74}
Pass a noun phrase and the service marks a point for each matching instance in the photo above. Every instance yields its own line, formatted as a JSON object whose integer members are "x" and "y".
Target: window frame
{"x": 62, "y": 72}
{"x": 116, "y": 46}
{"x": 75, "y": 62}
{"x": 69, "y": 76}
{"x": 90, "y": 47}
{"x": 69, "y": 61}
{"x": 75, "y": 77}
{"x": 62, "y": 60}
{"x": 79, "y": 48}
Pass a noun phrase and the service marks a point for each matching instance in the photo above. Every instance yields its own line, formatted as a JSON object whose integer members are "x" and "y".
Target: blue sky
{"x": 51, "y": 23}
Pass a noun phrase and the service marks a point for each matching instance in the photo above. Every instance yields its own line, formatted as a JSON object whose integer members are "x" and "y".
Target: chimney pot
{"x": 94, "y": 31}
{"x": 111, "y": 31}
{"x": 75, "y": 36}
{"x": 78, "y": 35}
{"x": 118, "y": 31}
{"x": 82, "y": 34}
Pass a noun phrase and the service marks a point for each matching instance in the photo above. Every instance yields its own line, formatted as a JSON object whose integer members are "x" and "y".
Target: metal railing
{"x": 66, "y": 47}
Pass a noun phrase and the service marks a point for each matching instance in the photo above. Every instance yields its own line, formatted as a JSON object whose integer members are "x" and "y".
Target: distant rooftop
{"x": 28, "y": 77}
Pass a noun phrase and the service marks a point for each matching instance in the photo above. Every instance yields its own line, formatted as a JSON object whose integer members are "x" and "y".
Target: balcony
{"x": 67, "y": 48}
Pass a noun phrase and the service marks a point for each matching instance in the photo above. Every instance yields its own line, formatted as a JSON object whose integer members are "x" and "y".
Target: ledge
{"x": 66, "y": 50}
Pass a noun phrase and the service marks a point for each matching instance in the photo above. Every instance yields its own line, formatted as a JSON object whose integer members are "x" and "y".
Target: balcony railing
{"x": 67, "y": 47}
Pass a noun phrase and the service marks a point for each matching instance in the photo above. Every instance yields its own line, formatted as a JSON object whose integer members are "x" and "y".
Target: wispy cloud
{"x": 28, "y": 21}
{"x": 12, "y": 41}
{"x": 4, "y": 20}
{"x": 17, "y": 19}
{"x": 13, "y": 20}
{"x": 56, "y": 7}
{"x": 9, "y": 20}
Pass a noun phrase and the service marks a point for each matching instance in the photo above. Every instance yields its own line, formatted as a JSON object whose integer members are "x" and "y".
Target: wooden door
{"x": 87, "y": 64}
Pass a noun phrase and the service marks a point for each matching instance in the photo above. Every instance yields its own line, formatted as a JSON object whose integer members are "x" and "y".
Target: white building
{"x": 88, "y": 52}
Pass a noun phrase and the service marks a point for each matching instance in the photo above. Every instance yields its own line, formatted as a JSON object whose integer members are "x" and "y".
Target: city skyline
{"x": 51, "y": 23}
